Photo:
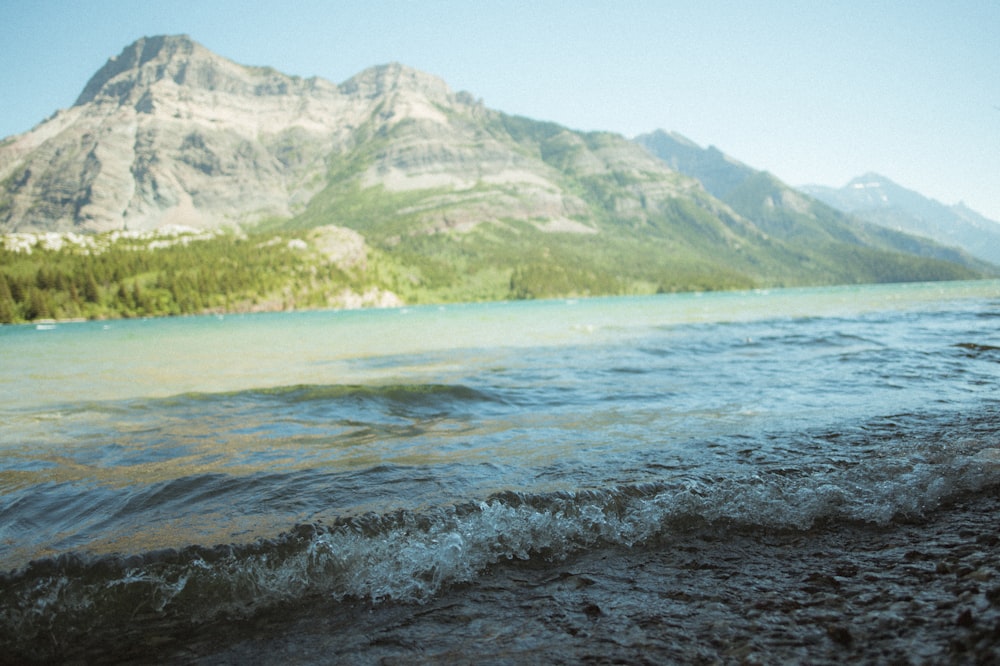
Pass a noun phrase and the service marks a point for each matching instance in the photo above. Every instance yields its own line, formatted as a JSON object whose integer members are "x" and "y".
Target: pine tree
{"x": 8, "y": 311}
{"x": 44, "y": 278}
{"x": 124, "y": 301}
{"x": 138, "y": 297}
{"x": 17, "y": 290}
{"x": 90, "y": 291}
{"x": 8, "y": 308}
{"x": 38, "y": 306}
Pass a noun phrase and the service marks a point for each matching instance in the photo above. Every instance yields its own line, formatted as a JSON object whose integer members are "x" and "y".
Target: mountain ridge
{"x": 169, "y": 99}
{"x": 878, "y": 199}
{"x": 449, "y": 198}
{"x": 770, "y": 202}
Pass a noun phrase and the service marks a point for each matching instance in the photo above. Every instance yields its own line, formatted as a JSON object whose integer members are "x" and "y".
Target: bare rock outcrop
{"x": 169, "y": 133}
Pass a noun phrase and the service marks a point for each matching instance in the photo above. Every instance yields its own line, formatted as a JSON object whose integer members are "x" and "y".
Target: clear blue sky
{"x": 815, "y": 92}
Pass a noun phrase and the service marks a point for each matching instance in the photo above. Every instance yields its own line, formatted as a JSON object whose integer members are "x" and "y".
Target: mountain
{"x": 879, "y": 200}
{"x": 168, "y": 132}
{"x": 785, "y": 211}
{"x": 439, "y": 197}
{"x": 719, "y": 173}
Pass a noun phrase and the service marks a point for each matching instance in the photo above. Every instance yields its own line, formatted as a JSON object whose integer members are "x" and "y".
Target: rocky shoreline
{"x": 909, "y": 593}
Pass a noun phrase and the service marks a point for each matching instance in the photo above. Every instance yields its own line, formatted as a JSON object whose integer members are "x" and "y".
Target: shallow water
{"x": 386, "y": 457}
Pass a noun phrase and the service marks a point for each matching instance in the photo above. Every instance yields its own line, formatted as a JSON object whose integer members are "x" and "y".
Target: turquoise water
{"x": 390, "y": 454}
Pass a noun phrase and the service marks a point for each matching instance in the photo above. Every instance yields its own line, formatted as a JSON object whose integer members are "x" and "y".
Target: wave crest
{"x": 410, "y": 556}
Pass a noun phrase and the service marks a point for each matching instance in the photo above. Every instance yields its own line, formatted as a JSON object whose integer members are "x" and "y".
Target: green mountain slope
{"x": 622, "y": 223}
{"x": 389, "y": 188}
{"x": 836, "y": 244}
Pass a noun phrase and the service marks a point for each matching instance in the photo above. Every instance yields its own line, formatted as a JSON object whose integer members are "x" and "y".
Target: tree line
{"x": 225, "y": 273}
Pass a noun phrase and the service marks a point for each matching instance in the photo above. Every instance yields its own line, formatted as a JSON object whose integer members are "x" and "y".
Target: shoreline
{"x": 275, "y": 306}
{"x": 903, "y": 593}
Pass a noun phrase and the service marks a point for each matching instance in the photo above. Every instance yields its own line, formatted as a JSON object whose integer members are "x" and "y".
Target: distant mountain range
{"x": 877, "y": 199}
{"x": 871, "y": 198}
{"x": 462, "y": 200}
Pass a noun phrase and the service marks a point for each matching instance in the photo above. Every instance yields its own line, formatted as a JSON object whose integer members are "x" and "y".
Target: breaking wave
{"x": 409, "y": 556}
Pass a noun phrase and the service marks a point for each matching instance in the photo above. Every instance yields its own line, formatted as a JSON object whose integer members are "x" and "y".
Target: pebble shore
{"x": 924, "y": 592}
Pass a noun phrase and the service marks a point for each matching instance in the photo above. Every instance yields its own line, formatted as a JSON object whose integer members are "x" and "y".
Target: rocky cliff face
{"x": 168, "y": 132}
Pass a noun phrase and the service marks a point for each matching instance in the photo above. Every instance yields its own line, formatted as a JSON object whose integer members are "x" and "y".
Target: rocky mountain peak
{"x": 395, "y": 78}
{"x": 176, "y": 62}
{"x": 151, "y": 55}
{"x": 168, "y": 132}
{"x": 870, "y": 179}
{"x": 878, "y": 199}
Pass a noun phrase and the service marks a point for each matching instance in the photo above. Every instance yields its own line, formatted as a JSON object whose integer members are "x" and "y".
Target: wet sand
{"x": 921, "y": 592}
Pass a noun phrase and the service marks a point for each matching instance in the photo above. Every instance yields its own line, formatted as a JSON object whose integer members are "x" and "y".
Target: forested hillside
{"x": 226, "y": 272}
{"x": 309, "y": 268}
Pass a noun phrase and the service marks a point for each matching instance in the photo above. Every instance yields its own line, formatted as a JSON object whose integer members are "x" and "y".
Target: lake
{"x": 508, "y": 481}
